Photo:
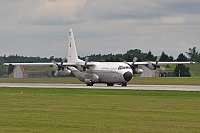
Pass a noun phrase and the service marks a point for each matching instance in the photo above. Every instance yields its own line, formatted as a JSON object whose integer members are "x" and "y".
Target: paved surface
{"x": 103, "y": 86}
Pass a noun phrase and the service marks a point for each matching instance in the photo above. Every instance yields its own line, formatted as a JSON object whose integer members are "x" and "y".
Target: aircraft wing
{"x": 159, "y": 63}
{"x": 50, "y": 63}
{"x": 91, "y": 63}
{"x": 39, "y": 64}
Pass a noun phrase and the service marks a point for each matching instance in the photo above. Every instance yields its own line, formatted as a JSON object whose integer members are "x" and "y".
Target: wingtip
{"x": 6, "y": 64}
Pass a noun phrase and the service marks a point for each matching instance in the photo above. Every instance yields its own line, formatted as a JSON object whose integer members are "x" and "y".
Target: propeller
{"x": 132, "y": 65}
{"x": 153, "y": 66}
{"x": 134, "y": 68}
{"x": 85, "y": 66}
{"x": 57, "y": 67}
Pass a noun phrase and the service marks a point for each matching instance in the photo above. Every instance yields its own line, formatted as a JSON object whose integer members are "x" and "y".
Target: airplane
{"x": 97, "y": 72}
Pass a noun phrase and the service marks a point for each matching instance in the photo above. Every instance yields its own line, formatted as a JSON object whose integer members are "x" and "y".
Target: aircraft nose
{"x": 127, "y": 76}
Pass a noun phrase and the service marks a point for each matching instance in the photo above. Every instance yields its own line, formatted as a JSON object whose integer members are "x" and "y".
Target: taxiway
{"x": 103, "y": 86}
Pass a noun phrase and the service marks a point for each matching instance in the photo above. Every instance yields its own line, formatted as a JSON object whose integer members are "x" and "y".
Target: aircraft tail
{"x": 72, "y": 53}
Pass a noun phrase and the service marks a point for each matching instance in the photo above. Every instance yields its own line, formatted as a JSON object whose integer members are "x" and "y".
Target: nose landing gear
{"x": 124, "y": 84}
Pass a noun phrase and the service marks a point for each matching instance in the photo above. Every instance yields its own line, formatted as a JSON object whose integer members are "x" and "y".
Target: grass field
{"x": 135, "y": 80}
{"x": 166, "y": 81}
{"x": 92, "y": 110}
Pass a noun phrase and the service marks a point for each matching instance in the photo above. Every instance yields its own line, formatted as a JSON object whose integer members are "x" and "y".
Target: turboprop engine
{"x": 138, "y": 71}
{"x": 64, "y": 72}
{"x": 90, "y": 78}
{"x": 135, "y": 69}
{"x": 60, "y": 69}
{"x": 153, "y": 66}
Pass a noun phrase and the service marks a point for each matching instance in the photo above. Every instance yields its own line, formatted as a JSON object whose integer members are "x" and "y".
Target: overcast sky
{"x": 40, "y": 27}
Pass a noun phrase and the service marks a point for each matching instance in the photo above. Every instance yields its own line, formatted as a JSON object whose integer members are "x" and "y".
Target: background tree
{"x": 150, "y": 57}
{"x": 182, "y": 71}
{"x": 193, "y": 54}
{"x": 129, "y": 55}
{"x": 165, "y": 57}
{"x": 182, "y": 57}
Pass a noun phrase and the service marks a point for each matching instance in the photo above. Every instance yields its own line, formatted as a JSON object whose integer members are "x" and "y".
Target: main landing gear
{"x": 124, "y": 84}
{"x": 110, "y": 84}
{"x": 90, "y": 84}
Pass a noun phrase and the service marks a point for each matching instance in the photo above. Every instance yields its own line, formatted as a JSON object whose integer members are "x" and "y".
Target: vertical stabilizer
{"x": 72, "y": 53}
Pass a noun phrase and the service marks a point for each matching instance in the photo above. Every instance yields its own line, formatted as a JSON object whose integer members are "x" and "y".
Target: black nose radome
{"x": 127, "y": 76}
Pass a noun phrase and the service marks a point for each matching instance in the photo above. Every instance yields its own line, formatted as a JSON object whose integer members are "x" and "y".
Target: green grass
{"x": 91, "y": 110}
{"x": 166, "y": 80}
{"x": 194, "y": 69}
{"x": 67, "y": 80}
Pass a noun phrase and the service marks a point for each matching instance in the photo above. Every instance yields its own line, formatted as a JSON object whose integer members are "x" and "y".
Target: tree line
{"x": 192, "y": 55}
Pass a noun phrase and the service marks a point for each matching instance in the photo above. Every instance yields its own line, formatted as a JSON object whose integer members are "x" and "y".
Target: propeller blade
{"x": 63, "y": 60}
{"x": 86, "y": 60}
{"x": 134, "y": 68}
{"x": 56, "y": 73}
{"x": 54, "y": 66}
{"x": 134, "y": 60}
{"x": 85, "y": 65}
{"x": 54, "y": 62}
{"x": 158, "y": 59}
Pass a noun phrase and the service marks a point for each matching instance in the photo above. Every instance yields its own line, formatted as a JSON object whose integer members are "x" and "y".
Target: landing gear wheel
{"x": 110, "y": 84}
{"x": 90, "y": 84}
{"x": 124, "y": 84}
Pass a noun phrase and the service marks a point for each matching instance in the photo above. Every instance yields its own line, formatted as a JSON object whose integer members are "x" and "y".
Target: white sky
{"x": 40, "y": 27}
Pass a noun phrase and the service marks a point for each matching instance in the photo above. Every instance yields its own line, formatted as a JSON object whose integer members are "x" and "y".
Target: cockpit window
{"x": 120, "y": 67}
{"x": 124, "y": 67}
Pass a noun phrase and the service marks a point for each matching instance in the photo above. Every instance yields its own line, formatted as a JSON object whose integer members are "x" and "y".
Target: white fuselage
{"x": 104, "y": 72}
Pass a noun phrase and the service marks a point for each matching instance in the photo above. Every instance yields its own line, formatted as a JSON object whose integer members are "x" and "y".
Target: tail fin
{"x": 72, "y": 53}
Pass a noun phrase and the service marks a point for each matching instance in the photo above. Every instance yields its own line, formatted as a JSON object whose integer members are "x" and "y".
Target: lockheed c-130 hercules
{"x": 97, "y": 72}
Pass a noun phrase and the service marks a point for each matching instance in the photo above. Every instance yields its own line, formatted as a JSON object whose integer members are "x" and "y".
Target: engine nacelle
{"x": 65, "y": 72}
{"x": 138, "y": 71}
{"x": 88, "y": 81}
{"x": 93, "y": 77}
{"x": 152, "y": 66}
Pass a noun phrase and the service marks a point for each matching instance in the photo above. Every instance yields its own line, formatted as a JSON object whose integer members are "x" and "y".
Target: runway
{"x": 103, "y": 86}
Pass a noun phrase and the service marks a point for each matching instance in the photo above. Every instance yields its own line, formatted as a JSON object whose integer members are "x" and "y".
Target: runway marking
{"x": 103, "y": 86}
